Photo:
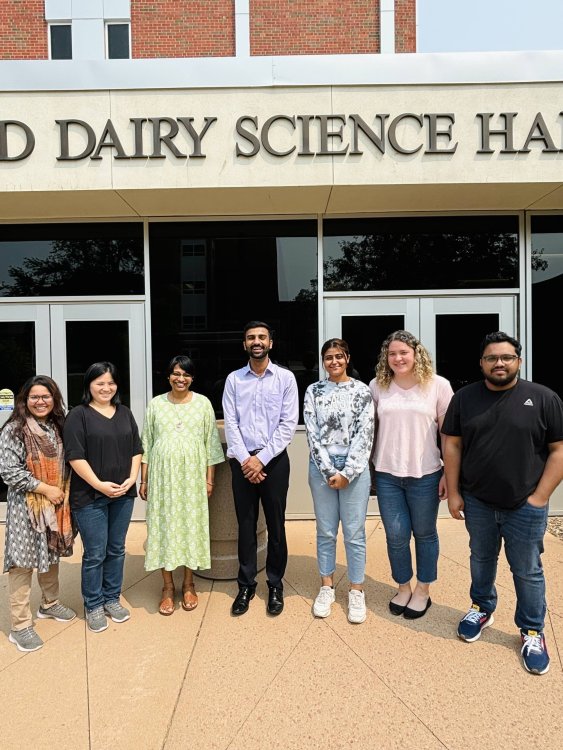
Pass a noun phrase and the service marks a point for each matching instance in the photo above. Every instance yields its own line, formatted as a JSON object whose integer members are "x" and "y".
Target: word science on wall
{"x": 283, "y": 135}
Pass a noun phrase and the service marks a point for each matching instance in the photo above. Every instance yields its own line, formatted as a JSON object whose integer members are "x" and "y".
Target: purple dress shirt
{"x": 260, "y": 413}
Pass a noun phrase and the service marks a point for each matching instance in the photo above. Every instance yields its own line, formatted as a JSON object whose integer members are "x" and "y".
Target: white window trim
{"x": 57, "y": 23}
{"x": 116, "y": 22}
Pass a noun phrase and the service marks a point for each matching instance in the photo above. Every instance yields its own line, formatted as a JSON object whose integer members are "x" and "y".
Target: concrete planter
{"x": 223, "y": 527}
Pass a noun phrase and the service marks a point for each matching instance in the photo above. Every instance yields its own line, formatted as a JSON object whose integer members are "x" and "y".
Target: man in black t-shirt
{"x": 503, "y": 458}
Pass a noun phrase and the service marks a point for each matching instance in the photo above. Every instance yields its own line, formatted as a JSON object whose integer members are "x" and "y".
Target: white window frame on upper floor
{"x": 116, "y": 22}
{"x": 50, "y": 24}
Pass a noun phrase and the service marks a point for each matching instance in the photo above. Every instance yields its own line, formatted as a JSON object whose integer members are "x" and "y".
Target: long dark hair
{"x": 95, "y": 371}
{"x": 21, "y": 413}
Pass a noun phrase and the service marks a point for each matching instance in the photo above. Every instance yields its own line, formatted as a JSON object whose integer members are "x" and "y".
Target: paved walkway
{"x": 204, "y": 679}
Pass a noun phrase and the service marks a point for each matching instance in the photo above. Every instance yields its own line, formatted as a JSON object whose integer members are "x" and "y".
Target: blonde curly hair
{"x": 423, "y": 368}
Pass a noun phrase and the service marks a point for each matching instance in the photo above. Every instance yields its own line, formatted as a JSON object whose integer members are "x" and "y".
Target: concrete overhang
{"x": 278, "y": 201}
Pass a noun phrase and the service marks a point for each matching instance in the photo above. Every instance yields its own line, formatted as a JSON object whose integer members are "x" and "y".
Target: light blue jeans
{"x": 348, "y": 506}
{"x": 409, "y": 507}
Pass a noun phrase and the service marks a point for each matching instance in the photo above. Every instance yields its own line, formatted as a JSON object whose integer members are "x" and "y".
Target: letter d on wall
{"x": 90, "y": 135}
{"x": 29, "y": 140}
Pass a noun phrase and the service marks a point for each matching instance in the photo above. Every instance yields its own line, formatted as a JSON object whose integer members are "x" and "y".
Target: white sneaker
{"x": 356, "y": 606}
{"x": 323, "y": 602}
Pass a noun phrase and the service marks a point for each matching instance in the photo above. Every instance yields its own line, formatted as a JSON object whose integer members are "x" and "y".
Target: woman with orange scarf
{"x": 38, "y": 522}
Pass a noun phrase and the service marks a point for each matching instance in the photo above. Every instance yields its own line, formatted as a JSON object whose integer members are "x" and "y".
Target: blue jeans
{"x": 103, "y": 527}
{"x": 348, "y": 506}
{"x": 409, "y": 506}
{"x": 523, "y": 531}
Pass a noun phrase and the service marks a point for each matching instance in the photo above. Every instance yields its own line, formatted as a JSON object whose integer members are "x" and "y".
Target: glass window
{"x": 118, "y": 41}
{"x": 60, "y": 37}
{"x": 547, "y": 293}
{"x": 209, "y": 279}
{"x": 71, "y": 259}
{"x": 440, "y": 252}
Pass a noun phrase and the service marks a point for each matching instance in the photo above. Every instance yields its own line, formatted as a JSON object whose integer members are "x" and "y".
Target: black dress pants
{"x": 272, "y": 492}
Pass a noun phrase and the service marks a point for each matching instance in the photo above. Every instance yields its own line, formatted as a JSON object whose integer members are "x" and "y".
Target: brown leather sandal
{"x": 189, "y": 597}
{"x": 167, "y": 606}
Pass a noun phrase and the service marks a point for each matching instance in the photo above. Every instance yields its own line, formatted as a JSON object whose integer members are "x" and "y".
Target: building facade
{"x": 151, "y": 206}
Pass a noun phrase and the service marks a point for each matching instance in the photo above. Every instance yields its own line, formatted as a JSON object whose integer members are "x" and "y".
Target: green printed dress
{"x": 179, "y": 442}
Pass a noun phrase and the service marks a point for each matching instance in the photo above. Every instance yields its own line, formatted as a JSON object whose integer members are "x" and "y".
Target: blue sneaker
{"x": 534, "y": 652}
{"x": 470, "y": 626}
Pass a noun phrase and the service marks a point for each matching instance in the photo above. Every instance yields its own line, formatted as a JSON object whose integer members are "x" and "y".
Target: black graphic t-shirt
{"x": 505, "y": 437}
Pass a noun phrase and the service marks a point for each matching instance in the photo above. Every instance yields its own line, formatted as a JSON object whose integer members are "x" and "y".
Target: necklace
{"x": 178, "y": 413}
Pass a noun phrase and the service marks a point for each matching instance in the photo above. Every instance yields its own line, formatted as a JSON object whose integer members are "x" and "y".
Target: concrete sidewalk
{"x": 204, "y": 679}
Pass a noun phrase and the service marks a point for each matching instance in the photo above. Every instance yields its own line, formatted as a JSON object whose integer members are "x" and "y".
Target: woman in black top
{"x": 103, "y": 447}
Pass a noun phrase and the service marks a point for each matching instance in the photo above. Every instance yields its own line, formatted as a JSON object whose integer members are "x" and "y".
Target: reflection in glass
{"x": 71, "y": 259}
{"x": 364, "y": 335}
{"x": 209, "y": 279}
{"x": 459, "y": 252}
{"x": 457, "y": 345}
{"x": 96, "y": 341}
{"x": 547, "y": 293}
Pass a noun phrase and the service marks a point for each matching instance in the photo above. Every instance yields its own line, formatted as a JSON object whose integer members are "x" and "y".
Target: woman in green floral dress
{"x": 181, "y": 448}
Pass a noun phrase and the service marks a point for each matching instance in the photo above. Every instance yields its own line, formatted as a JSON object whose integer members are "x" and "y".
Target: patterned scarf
{"x": 45, "y": 460}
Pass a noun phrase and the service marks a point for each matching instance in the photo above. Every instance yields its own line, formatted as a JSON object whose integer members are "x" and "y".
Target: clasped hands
{"x": 113, "y": 490}
{"x": 338, "y": 482}
{"x": 252, "y": 469}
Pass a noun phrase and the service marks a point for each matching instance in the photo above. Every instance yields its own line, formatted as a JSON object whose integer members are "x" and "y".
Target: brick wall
{"x": 170, "y": 28}
{"x": 405, "y": 25}
{"x": 23, "y": 30}
{"x": 308, "y": 27}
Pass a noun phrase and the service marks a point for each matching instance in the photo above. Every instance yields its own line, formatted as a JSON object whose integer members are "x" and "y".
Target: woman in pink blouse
{"x": 410, "y": 402}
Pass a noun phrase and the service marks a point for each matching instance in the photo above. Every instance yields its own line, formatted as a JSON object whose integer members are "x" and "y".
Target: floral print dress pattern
{"x": 179, "y": 441}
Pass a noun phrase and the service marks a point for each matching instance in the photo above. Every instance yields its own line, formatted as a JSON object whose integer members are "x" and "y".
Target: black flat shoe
{"x": 275, "y": 601}
{"x": 397, "y": 609}
{"x": 414, "y": 614}
{"x": 242, "y": 600}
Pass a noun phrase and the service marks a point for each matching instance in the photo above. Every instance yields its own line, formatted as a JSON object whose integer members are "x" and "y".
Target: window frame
{"x": 50, "y": 25}
{"x": 116, "y": 22}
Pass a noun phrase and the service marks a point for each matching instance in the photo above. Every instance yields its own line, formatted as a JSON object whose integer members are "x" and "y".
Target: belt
{"x": 253, "y": 453}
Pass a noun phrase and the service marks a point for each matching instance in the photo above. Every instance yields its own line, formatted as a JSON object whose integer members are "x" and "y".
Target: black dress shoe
{"x": 413, "y": 614}
{"x": 242, "y": 600}
{"x": 275, "y": 601}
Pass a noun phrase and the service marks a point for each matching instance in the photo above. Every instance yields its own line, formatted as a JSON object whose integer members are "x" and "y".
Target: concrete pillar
{"x": 387, "y": 26}
{"x": 242, "y": 28}
{"x": 223, "y": 527}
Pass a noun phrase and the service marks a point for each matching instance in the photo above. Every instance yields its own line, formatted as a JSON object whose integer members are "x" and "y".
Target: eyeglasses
{"x": 506, "y": 359}
{"x": 337, "y": 357}
{"x": 180, "y": 376}
{"x": 35, "y": 399}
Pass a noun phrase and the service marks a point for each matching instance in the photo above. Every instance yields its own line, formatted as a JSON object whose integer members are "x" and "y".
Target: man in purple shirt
{"x": 260, "y": 408}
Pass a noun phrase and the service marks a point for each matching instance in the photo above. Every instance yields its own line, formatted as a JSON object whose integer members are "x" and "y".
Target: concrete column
{"x": 242, "y": 28}
{"x": 223, "y": 526}
{"x": 387, "y": 26}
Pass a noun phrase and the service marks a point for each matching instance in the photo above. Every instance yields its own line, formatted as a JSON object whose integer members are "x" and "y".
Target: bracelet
{"x": 210, "y": 484}
{"x": 142, "y": 483}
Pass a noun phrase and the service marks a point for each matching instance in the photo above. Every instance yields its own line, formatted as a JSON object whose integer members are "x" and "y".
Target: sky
{"x": 492, "y": 25}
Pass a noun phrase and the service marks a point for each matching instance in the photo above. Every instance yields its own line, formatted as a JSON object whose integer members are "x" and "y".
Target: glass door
{"x": 62, "y": 340}
{"x": 24, "y": 351}
{"x": 85, "y": 333}
{"x": 364, "y": 322}
{"x": 449, "y": 327}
